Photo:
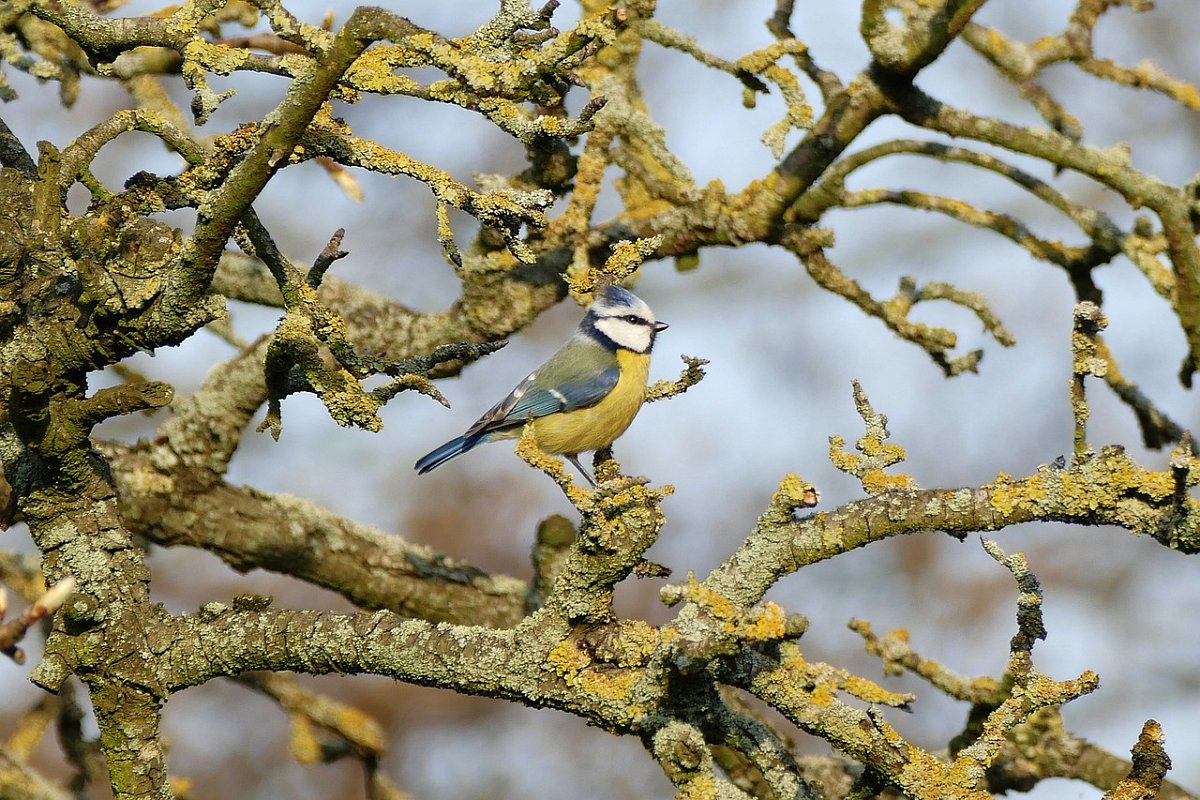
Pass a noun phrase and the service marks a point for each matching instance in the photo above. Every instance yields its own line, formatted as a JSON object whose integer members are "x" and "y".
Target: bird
{"x": 585, "y": 395}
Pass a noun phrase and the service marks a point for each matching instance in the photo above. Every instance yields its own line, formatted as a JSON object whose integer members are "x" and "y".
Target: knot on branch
{"x": 685, "y": 757}
{"x": 623, "y": 643}
{"x": 607, "y": 661}
{"x": 794, "y": 493}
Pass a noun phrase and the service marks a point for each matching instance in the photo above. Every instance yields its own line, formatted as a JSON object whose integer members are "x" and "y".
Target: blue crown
{"x": 616, "y": 296}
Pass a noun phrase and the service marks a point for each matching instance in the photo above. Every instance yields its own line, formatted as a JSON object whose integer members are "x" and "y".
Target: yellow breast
{"x": 598, "y": 426}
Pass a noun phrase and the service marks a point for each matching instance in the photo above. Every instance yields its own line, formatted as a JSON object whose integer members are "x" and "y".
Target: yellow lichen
{"x": 577, "y": 668}
{"x": 568, "y": 658}
{"x": 767, "y": 623}
{"x": 701, "y": 787}
{"x": 714, "y": 602}
{"x": 871, "y": 692}
{"x": 822, "y": 695}
{"x": 794, "y": 492}
{"x": 876, "y": 480}
{"x": 218, "y": 58}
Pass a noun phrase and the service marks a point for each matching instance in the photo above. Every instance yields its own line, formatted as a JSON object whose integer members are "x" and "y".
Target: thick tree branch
{"x": 1121, "y": 493}
{"x": 250, "y": 529}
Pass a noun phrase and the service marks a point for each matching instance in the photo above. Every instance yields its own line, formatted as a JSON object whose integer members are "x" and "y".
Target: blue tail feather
{"x": 449, "y": 450}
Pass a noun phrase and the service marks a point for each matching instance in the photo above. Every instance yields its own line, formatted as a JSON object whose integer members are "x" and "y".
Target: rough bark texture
{"x": 81, "y": 292}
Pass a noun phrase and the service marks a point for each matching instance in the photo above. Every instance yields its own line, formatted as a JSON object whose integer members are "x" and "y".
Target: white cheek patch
{"x": 626, "y": 334}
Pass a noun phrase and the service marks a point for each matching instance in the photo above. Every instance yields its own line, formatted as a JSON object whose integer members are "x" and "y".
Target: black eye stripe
{"x": 632, "y": 319}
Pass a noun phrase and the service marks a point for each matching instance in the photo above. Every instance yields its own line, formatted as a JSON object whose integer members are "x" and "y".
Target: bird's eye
{"x": 632, "y": 318}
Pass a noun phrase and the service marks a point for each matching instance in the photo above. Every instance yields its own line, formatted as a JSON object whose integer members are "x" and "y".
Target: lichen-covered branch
{"x": 251, "y": 529}
{"x": 876, "y": 454}
{"x": 809, "y": 245}
{"x": 82, "y": 291}
{"x": 692, "y": 374}
{"x": 1108, "y": 167}
{"x": 1108, "y": 488}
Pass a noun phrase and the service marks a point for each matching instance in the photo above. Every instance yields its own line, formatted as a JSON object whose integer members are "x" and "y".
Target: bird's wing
{"x": 528, "y": 401}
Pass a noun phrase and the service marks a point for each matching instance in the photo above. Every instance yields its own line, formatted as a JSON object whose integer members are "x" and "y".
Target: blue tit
{"x": 585, "y": 395}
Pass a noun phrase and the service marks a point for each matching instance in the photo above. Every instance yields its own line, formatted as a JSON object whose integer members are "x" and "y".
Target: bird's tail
{"x": 449, "y": 450}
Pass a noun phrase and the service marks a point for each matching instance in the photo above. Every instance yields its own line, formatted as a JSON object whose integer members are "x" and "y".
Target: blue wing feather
{"x": 529, "y": 401}
{"x": 565, "y": 397}
{"x": 569, "y": 380}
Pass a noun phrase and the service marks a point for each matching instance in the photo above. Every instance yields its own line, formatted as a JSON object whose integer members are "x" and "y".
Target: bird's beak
{"x": 660, "y": 326}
